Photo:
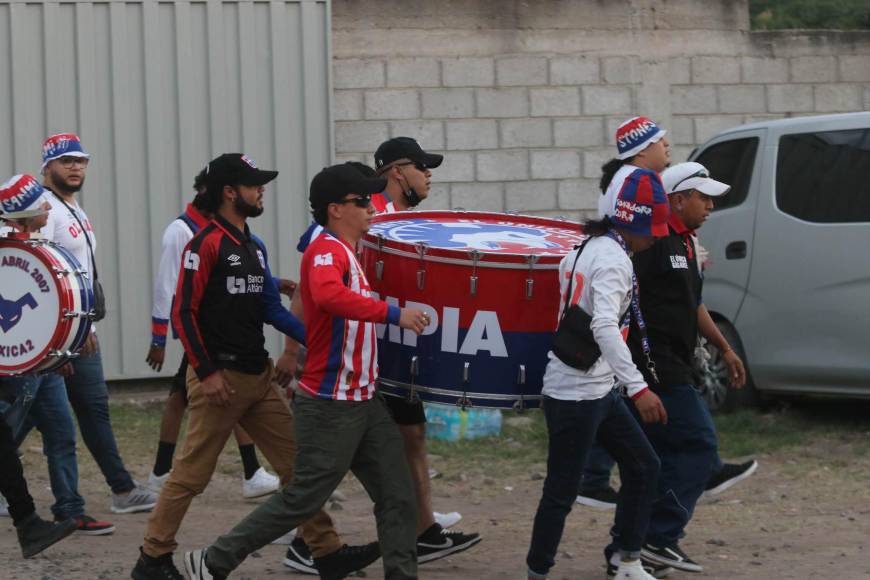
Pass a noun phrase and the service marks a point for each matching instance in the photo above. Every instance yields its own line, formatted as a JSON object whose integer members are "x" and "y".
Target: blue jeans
{"x": 596, "y": 474}
{"x": 572, "y": 427}
{"x": 89, "y": 397}
{"x": 43, "y": 404}
{"x": 687, "y": 447}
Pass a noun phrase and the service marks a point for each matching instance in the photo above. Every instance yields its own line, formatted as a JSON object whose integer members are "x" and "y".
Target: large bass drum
{"x": 489, "y": 284}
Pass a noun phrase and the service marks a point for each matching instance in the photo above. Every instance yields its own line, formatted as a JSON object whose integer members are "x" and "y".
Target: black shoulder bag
{"x": 99, "y": 307}
{"x": 574, "y": 343}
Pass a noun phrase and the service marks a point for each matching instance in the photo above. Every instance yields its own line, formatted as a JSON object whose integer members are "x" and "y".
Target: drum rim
{"x": 510, "y": 260}
{"x": 442, "y": 392}
{"x": 65, "y": 325}
{"x": 549, "y": 265}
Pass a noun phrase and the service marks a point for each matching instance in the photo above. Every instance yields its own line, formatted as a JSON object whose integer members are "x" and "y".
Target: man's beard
{"x": 246, "y": 209}
{"x": 64, "y": 186}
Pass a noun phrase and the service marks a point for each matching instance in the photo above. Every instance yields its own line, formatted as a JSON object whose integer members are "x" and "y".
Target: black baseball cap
{"x": 335, "y": 182}
{"x": 404, "y": 148}
{"x": 236, "y": 169}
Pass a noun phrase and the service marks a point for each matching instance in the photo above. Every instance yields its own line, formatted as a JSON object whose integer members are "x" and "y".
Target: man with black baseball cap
{"x": 341, "y": 423}
{"x": 225, "y": 294}
{"x": 408, "y": 171}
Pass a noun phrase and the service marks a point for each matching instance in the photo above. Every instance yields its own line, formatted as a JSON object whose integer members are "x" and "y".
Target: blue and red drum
{"x": 489, "y": 284}
{"x": 45, "y": 305}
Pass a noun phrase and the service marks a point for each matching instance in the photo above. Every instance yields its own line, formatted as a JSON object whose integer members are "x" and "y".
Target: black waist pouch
{"x": 574, "y": 343}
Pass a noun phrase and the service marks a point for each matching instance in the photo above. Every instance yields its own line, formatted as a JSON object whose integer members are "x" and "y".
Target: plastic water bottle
{"x": 451, "y": 423}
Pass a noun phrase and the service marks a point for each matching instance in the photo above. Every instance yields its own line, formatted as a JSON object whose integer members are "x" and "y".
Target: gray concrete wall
{"x": 524, "y": 97}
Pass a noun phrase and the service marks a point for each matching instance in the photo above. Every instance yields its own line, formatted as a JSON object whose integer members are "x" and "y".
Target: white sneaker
{"x": 447, "y": 520}
{"x": 4, "y": 507}
{"x": 155, "y": 482}
{"x": 286, "y": 539}
{"x": 632, "y": 571}
{"x": 261, "y": 483}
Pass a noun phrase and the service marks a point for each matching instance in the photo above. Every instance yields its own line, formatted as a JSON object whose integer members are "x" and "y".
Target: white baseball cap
{"x": 691, "y": 175}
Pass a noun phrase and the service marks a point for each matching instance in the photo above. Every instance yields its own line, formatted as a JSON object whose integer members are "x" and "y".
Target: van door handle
{"x": 735, "y": 251}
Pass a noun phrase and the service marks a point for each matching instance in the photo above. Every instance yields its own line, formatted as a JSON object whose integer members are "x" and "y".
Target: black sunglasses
{"x": 699, "y": 173}
{"x": 420, "y": 166}
{"x": 362, "y": 201}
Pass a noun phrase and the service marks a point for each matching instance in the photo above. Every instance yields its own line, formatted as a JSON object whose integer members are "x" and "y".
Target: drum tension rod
{"x": 475, "y": 258}
{"x": 421, "y": 273}
{"x": 413, "y": 397}
{"x": 520, "y": 404}
{"x": 379, "y": 265}
{"x": 464, "y": 402}
{"x": 531, "y": 259}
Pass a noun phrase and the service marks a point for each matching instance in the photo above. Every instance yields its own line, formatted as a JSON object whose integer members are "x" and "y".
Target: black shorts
{"x": 179, "y": 381}
{"x": 403, "y": 412}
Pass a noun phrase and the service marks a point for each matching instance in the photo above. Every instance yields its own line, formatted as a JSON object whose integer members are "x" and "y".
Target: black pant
{"x": 12, "y": 484}
{"x": 572, "y": 427}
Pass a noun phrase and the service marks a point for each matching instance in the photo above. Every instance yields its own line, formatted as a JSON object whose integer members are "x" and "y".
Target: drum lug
{"x": 413, "y": 397}
{"x": 379, "y": 265}
{"x": 520, "y": 404}
{"x": 531, "y": 260}
{"x": 475, "y": 258}
{"x": 421, "y": 273}
{"x": 464, "y": 402}
{"x": 67, "y": 314}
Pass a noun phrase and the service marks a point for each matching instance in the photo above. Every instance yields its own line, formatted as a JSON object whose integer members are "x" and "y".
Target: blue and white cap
{"x": 21, "y": 197}
{"x": 635, "y": 135}
{"x": 62, "y": 145}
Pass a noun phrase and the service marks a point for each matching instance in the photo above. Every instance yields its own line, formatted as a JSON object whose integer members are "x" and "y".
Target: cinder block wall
{"x": 524, "y": 97}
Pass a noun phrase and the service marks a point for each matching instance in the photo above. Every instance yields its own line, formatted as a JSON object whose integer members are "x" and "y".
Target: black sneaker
{"x": 346, "y": 560}
{"x": 35, "y": 534}
{"x": 88, "y": 526}
{"x": 730, "y": 474}
{"x": 436, "y": 542}
{"x": 148, "y": 568}
{"x": 603, "y": 499}
{"x": 671, "y": 556}
{"x": 299, "y": 557}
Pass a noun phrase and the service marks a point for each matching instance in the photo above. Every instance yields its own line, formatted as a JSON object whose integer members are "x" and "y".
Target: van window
{"x": 731, "y": 162}
{"x": 822, "y": 177}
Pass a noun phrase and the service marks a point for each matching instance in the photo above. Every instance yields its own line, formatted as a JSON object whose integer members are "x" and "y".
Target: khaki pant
{"x": 259, "y": 409}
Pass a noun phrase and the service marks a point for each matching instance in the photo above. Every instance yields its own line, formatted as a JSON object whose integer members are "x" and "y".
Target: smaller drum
{"x": 45, "y": 305}
{"x": 489, "y": 283}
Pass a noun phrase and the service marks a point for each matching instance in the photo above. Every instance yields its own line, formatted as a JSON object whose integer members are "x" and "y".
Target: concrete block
{"x": 686, "y": 100}
{"x": 606, "y": 100}
{"x": 502, "y": 103}
{"x": 392, "y": 104}
{"x": 447, "y": 103}
{"x": 413, "y": 72}
{"x": 472, "y": 134}
{"x": 620, "y": 70}
{"x": 706, "y": 127}
{"x": 430, "y": 134}
{"x": 574, "y": 70}
{"x": 764, "y": 70}
{"x": 359, "y": 136}
{"x": 680, "y": 153}
{"x": 578, "y": 133}
{"x": 855, "y": 68}
{"x": 345, "y": 157}
{"x": 521, "y": 71}
{"x": 789, "y": 98}
{"x": 555, "y": 102}
{"x": 715, "y": 70}
{"x": 679, "y": 70}
{"x": 742, "y": 99}
{"x": 457, "y": 166}
{"x": 347, "y": 105}
{"x": 593, "y": 159}
{"x": 358, "y": 73}
{"x": 813, "y": 69}
{"x": 579, "y": 194}
{"x": 762, "y": 118}
{"x": 438, "y": 198}
{"x": 509, "y": 165}
{"x": 468, "y": 72}
{"x": 840, "y": 97}
{"x": 555, "y": 164}
{"x": 526, "y": 133}
{"x": 682, "y": 131}
{"x": 477, "y": 196}
{"x": 531, "y": 195}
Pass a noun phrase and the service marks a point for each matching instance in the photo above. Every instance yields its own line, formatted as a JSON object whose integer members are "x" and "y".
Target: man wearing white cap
{"x": 64, "y": 165}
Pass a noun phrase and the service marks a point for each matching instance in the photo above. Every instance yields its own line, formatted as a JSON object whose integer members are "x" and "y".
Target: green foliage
{"x": 809, "y": 14}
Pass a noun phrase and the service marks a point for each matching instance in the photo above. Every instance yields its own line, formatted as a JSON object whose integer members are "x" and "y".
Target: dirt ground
{"x": 804, "y": 515}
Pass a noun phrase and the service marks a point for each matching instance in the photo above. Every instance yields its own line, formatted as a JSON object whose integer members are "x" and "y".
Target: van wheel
{"x": 714, "y": 380}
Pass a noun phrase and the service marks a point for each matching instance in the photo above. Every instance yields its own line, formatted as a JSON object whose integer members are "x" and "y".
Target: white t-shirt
{"x": 603, "y": 274}
{"x": 64, "y": 230}
{"x": 175, "y": 238}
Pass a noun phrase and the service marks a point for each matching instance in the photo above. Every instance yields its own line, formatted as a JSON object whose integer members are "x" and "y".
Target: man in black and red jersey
{"x": 225, "y": 294}
{"x": 341, "y": 423}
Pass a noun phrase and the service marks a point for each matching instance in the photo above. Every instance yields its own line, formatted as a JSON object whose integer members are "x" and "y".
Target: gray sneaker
{"x": 140, "y": 499}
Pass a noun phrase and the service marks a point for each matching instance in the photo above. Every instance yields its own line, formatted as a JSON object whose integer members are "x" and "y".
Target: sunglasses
{"x": 417, "y": 164}
{"x": 699, "y": 173}
{"x": 362, "y": 201}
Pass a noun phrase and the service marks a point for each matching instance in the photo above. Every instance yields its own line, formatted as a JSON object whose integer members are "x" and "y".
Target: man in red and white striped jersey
{"x": 341, "y": 425}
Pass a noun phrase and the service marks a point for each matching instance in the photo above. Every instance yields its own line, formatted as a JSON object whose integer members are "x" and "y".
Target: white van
{"x": 788, "y": 280}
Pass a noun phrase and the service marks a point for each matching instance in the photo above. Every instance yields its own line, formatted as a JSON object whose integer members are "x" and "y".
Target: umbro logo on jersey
{"x": 323, "y": 259}
{"x": 233, "y": 259}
